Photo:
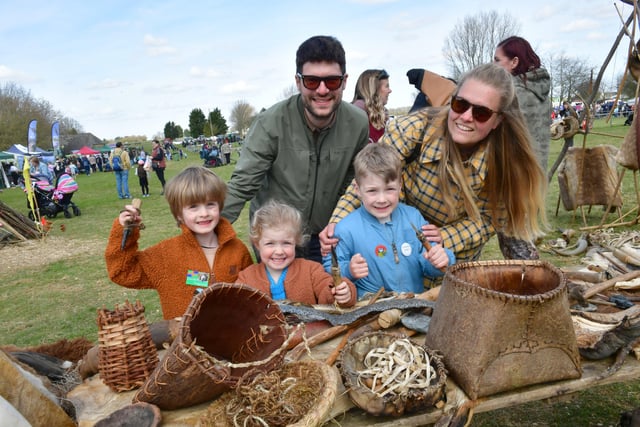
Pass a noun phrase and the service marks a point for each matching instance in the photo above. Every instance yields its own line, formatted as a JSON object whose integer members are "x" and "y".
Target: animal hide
{"x": 28, "y": 393}
{"x": 588, "y": 176}
{"x": 627, "y": 156}
{"x": 71, "y": 350}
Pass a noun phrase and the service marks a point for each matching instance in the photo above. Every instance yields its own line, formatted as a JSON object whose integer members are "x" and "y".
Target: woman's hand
{"x": 432, "y": 233}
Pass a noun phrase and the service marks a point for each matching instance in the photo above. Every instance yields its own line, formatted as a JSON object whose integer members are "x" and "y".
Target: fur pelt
{"x": 32, "y": 395}
{"x": 627, "y": 156}
{"x": 71, "y": 350}
{"x": 591, "y": 184}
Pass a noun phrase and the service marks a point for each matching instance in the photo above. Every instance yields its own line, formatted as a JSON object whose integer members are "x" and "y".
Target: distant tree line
{"x": 242, "y": 115}
{"x": 18, "y": 107}
{"x": 473, "y": 41}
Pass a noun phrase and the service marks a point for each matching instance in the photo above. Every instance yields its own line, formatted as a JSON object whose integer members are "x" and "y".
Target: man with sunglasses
{"x": 300, "y": 151}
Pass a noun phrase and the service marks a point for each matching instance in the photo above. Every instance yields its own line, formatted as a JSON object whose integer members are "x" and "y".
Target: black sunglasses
{"x": 479, "y": 113}
{"x": 313, "y": 82}
{"x": 383, "y": 75}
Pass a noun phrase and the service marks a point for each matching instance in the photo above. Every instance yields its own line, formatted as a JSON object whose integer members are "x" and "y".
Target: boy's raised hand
{"x": 129, "y": 215}
{"x": 437, "y": 256}
{"x": 358, "y": 267}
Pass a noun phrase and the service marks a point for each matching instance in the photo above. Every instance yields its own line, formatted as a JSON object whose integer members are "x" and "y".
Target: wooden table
{"x": 95, "y": 401}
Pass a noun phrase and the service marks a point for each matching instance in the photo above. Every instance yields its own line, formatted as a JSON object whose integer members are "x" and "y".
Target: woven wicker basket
{"x": 501, "y": 325}
{"x": 126, "y": 355}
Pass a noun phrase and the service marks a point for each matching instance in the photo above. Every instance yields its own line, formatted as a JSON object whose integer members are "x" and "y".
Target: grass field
{"x": 51, "y": 289}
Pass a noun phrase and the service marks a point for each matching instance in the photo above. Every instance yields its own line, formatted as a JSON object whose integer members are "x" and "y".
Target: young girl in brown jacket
{"x": 276, "y": 230}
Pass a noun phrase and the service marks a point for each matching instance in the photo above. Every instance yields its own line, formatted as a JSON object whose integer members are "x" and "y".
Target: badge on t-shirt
{"x": 381, "y": 250}
{"x": 405, "y": 248}
{"x": 197, "y": 278}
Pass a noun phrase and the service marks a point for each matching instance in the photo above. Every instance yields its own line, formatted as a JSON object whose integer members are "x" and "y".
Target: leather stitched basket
{"x": 228, "y": 330}
{"x": 501, "y": 325}
{"x": 126, "y": 353}
{"x": 351, "y": 365}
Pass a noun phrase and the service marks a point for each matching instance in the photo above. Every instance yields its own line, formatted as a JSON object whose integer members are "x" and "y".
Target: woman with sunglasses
{"x": 532, "y": 83}
{"x": 371, "y": 94}
{"x": 468, "y": 167}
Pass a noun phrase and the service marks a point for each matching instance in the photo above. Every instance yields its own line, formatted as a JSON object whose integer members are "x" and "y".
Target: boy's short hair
{"x": 195, "y": 184}
{"x": 321, "y": 49}
{"x": 379, "y": 159}
{"x": 277, "y": 215}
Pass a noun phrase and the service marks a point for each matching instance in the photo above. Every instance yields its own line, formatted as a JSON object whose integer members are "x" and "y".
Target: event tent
{"x": 85, "y": 151}
{"x": 21, "y": 150}
{"x": 18, "y": 151}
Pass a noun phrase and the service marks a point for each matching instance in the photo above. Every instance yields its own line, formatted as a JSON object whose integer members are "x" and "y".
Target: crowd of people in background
{"x": 75, "y": 164}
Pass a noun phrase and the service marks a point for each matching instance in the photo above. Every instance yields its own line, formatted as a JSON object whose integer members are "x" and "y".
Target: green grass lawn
{"x": 42, "y": 302}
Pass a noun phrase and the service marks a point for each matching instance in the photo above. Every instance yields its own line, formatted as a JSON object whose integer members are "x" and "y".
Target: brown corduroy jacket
{"x": 306, "y": 282}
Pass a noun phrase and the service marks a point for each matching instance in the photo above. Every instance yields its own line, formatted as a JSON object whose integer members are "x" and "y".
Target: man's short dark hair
{"x": 118, "y": 144}
{"x": 321, "y": 49}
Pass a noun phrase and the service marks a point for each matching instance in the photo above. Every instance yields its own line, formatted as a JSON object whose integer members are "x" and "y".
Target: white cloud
{"x": 579, "y": 25}
{"x": 372, "y": 2}
{"x": 7, "y": 73}
{"x": 236, "y": 87}
{"x": 105, "y": 84}
{"x": 208, "y": 73}
{"x": 158, "y": 46}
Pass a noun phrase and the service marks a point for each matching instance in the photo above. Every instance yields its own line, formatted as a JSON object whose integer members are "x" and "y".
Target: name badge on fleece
{"x": 197, "y": 278}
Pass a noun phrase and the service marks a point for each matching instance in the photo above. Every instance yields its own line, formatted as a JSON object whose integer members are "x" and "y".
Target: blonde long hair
{"x": 367, "y": 90}
{"x": 515, "y": 182}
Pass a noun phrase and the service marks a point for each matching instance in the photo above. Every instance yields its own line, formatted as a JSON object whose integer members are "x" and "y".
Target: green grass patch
{"x": 47, "y": 301}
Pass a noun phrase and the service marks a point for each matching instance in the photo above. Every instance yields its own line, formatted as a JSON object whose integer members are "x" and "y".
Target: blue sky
{"x": 127, "y": 67}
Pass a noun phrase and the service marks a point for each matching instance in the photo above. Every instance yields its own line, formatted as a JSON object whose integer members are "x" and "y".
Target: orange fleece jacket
{"x": 306, "y": 282}
{"x": 164, "y": 266}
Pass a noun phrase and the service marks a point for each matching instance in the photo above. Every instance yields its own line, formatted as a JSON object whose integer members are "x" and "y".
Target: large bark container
{"x": 501, "y": 325}
{"x": 229, "y": 331}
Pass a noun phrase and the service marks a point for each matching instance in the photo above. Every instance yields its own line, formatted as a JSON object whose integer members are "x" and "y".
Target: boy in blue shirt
{"x": 378, "y": 245}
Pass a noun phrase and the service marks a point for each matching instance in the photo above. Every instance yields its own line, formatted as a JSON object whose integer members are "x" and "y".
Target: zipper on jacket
{"x": 318, "y": 148}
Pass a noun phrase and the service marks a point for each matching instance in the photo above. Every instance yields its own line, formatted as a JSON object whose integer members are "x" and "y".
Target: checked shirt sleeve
{"x": 348, "y": 203}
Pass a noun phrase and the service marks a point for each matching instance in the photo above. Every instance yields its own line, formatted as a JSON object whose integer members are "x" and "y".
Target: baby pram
{"x": 52, "y": 200}
{"x": 212, "y": 158}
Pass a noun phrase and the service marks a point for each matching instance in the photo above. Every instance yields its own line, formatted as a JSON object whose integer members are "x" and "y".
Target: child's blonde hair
{"x": 378, "y": 159}
{"x": 277, "y": 215}
{"x": 195, "y": 184}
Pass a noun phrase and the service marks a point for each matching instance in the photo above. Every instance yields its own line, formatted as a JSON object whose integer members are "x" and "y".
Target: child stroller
{"x": 51, "y": 200}
{"x": 212, "y": 158}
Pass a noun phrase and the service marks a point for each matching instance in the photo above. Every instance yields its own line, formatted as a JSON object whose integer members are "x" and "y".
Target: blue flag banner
{"x": 31, "y": 136}
{"x": 55, "y": 138}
